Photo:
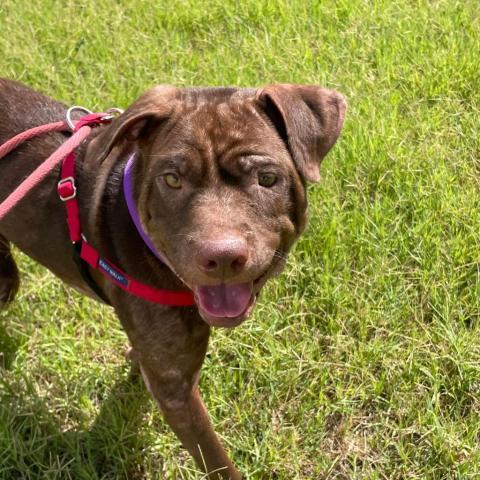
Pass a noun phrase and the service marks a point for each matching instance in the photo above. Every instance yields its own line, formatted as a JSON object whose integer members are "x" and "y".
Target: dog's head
{"x": 220, "y": 181}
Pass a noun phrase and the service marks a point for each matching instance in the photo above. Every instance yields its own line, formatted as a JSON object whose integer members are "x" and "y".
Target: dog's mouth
{"x": 225, "y": 305}
{"x": 228, "y": 304}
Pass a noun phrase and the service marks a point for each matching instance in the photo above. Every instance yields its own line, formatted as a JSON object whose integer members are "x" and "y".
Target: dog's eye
{"x": 172, "y": 180}
{"x": 267, "y": 179}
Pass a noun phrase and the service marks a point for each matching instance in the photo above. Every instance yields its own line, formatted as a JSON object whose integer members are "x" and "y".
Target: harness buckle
{"x": 66, "y": 189}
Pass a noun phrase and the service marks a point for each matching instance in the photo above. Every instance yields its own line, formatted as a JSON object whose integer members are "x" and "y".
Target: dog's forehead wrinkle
{"x": 219, "y": 128}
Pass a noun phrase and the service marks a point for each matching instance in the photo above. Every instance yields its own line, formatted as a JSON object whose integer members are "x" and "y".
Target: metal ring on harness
{"x": 112, "y": 113}
{"x": 69, "y": 120}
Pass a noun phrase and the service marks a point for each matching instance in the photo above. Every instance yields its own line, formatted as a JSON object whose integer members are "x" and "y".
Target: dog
{"x": 220, "y": 186}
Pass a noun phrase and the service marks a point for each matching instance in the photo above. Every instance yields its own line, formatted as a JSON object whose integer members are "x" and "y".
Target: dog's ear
{"x": 308, "y": 119}
{"x": 150, "y": 108}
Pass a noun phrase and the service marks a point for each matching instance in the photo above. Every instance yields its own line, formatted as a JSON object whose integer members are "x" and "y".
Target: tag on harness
{"x": 113, "y": 273}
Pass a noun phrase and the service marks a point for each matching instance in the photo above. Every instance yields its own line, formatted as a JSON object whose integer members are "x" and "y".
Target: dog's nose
{"x": 223, "y": 258}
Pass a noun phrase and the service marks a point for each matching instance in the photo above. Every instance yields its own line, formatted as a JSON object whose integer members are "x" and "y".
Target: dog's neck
{"x": 110, "y": 228}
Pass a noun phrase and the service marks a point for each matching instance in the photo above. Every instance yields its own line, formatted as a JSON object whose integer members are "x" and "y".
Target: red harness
{"x": 67, "y": 192}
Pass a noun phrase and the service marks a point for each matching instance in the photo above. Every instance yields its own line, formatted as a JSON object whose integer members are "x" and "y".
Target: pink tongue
{"x": 224, "y": 300}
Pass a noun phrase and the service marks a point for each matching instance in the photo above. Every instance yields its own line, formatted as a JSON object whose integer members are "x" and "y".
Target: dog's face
{"x": 220, "y": 182}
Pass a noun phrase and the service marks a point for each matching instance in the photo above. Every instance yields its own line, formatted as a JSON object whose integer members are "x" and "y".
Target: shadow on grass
{"x": 9, "y": 345}
{"x": 33, "y": 445}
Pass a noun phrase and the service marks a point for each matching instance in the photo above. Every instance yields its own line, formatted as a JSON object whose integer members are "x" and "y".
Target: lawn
{"x": 362, "y": 361}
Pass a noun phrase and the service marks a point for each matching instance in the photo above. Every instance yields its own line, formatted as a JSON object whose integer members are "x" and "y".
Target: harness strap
{"x": 84, "y": 270}
{"x": 127, "y": 283}
{"x": 84, "y": 253}
{"x": 67, "y": 192}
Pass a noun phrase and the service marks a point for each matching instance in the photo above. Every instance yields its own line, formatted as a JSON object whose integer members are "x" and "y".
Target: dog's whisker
{"x": 187, "y": 235}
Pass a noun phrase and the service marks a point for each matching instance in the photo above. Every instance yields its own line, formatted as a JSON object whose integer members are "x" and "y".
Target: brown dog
{"x": 220, "y": 189}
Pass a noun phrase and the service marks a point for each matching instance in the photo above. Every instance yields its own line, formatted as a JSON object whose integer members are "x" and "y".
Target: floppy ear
{"x": 308, "y": 119}
{"x": 154, "y": 105}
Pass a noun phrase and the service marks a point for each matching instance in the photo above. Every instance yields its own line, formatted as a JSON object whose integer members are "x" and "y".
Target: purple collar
{"x": 132, "y": 208}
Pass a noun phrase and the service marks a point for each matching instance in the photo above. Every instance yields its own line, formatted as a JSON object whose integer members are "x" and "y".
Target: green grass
{"x": 362, "y": 360}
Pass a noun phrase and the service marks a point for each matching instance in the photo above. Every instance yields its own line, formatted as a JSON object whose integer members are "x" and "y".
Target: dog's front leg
{"x": 170, "y": 351}
{"x": 183, "y": 408}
